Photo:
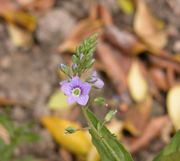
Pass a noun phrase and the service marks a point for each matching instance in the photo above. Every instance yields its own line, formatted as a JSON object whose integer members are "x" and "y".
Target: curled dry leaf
{"x": 173, "y": 105}
{"x": 137, "y": 84}
{"x": 77, "y": 143}
{"x": 148, "y": 28}
{"x": 113, "y": 67}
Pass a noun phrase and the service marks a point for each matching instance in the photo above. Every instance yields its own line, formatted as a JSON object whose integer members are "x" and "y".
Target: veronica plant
{"x": 79, "y": 91}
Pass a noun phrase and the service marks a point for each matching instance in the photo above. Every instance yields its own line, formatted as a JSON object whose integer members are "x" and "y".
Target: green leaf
{"x": 99, "y": 100}
{"x": 110, "y": 115}
{"x": 58, "y": 101}
{"x": 126, "y": 6}
{"x": 105, "y": 142}
{"x": 172, "y": 151}
{"x": 84, "y": 54}
{"x": 66, "y": 69}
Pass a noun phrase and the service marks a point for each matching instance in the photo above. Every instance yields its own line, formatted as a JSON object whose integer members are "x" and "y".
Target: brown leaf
{"x": 148, "y": 28}
{"x": 99, "y": 17}
{"x": 83, "y": 29}
{"x": 38, "y": 5}
{"x": 135, "y": 125}
{"x": 152, "y": 130}
{"x": 159, "y": 78}
{"x": 123, "y": 40}
{"x": 99, "y": 11}
{"x": 164, "y": 61}
{"x": 113, "y": 67}
{"x": 65, "y": 155}
{"x": 21, "y": 26}
{"x": 7, "y": 5}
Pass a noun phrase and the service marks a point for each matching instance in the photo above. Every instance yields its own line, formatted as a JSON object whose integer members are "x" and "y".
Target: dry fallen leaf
{"x": 135, "y": 125}
{"x": 19, "y": 37}
{"x": 159, "y": 78}
{"x": 153, "y": 129}
{"x": 78, "y": 142}
{"x": 21, "y": 26}
{"x": 148, "y": 28}
{"x": 137, "y": 84}
{"x": 173, "y": 105}
{"x": 99, "y": 17}
{"x": 7, "y": 5}
{"x": 126, "y": 6}
{"x": 93, "y": 155}
{"x": 124, "y": 40}
{"x": 40, "y": 5}
{"x": 83, "y": 29}
{"x": 113, "y": 67}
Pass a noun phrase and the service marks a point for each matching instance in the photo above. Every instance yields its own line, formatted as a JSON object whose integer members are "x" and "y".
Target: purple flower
{"x": 97, "y": 82}
{"x": 76, "y": 90}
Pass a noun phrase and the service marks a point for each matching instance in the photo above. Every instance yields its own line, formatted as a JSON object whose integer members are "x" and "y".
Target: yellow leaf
{"x": 21, "y": 26}
{"x": 126, "y": 6}
{"x": 137, "y": 84}
{"x": 58, "y": 101}
{"x": 21, "y": 19}
{"x": 173, "y": 105}
{"x": 93, "y": 155}
{"x": 148, "y": 28}
{"x": 19, "y": 37}
{"x": 78, "y": 142}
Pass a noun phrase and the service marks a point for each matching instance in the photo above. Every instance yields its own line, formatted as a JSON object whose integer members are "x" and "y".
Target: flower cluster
{"x": 76, "y": 89}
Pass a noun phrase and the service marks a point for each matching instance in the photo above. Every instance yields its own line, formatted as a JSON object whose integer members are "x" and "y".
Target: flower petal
{"x": 86, "y": 87}
{"x": 70, "y": 100}
{"x": 66, "y": 88}
{"x": 75, "y": 81}
{"x": 99, "y": 83}
{"x": 82, "y": 100}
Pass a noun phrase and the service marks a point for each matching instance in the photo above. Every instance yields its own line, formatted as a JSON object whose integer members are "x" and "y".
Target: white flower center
{"x": 76, "y": 92}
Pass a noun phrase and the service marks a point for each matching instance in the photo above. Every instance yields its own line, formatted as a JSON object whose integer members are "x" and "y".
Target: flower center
{"x": 76, "y": 92}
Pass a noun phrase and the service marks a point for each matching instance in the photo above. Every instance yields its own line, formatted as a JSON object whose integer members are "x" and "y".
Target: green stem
{"x": 84, "y": 109}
